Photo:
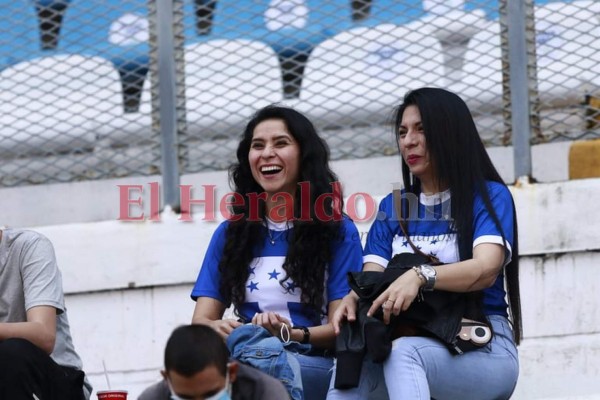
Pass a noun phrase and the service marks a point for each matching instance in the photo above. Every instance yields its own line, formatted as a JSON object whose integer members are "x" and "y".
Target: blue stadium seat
{"x": 19, "y": 33}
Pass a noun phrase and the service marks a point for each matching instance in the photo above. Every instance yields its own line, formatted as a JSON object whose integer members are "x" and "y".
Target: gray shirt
{"x": 250, "y": 384}
{"x": 29, "y": 277}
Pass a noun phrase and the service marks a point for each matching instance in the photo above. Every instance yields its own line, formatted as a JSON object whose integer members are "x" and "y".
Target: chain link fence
{"x": 79, "y": 79}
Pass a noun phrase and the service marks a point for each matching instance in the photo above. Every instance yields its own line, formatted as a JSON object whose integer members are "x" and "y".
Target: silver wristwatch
{"x": 429, "y": 273}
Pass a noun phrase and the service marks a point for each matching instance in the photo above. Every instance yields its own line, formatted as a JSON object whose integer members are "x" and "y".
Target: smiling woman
{"x": 284, "y": 272}
{"x": 274, "y": 158}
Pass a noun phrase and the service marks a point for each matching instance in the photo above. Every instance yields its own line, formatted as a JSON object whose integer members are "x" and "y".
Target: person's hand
{"x": 272, "y": 322}
{"x": 398, "y": 296}
{"x": 223, "y": 327}
{"x": 346, "y": 310}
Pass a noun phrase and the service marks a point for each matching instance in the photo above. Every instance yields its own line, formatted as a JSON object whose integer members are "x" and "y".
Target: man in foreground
{"x": 197, "y": 366}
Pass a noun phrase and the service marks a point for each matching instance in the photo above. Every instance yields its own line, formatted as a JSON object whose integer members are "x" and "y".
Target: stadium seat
{"x": 288, "y": 26}
{"x": 19, "y": 33}
{"x": 567, "y": 52}
{"x": 54, "y": 104}
{"x": 359, "y": 75}
{"x": 113, "y": 29}
{"x": 481, "y": 83}
{"x": 226, "y": 81}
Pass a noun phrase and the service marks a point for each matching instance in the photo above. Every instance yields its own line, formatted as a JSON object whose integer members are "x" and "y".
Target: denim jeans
{"x": 421, "y": 368}
{"x": 255, "y": 346}
{"x": 303, "y": 372}
{"x": 316, "y": 374}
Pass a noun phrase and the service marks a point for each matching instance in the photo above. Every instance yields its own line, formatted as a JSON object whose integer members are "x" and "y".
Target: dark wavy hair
{"x": 462, "y": 164}
{"x": 310, "y": 240}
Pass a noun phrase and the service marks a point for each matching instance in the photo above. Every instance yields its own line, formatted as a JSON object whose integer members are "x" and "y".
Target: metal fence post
{"x": 167, "y": 103}
{"x": 519, "y": 84}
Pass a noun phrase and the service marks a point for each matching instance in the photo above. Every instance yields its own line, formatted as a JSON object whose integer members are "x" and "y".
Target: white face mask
{"x": 224, "y": 394}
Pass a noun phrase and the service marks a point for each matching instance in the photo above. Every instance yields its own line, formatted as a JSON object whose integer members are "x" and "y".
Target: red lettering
{"x": 331, "y": 200}
{"x": 154, "y": 202}
{"x": 232, "y": 199}
{"x": 125, "y": 202}
{"x": 305, "y": 202}
{"x": 187, "y": 201}
{"x": 283, "y": 208}
{"x": 369, "y": 207}
{"x": 254, "y": 199}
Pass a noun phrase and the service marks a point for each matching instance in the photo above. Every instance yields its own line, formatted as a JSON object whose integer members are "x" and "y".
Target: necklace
{"x": 271, "y": 238}
{"x": 277, "y": 235}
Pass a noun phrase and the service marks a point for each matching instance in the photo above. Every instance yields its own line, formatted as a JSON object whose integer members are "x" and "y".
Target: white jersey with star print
{"x": 264, "y": 289}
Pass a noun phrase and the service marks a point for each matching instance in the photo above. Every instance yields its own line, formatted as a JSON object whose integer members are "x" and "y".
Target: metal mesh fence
{"x": 75, "y": 91}
{"x": 74, "y": 98}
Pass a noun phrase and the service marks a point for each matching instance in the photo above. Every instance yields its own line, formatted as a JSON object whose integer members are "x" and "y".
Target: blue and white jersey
{"x": 263, "y": 289}
{"x": 431, "y": 231}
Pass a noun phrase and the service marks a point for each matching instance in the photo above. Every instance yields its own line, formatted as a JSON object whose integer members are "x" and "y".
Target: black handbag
{"x": 437, "y": 313}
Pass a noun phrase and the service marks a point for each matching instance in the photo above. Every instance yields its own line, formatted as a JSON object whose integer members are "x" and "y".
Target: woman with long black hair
{"x": 463, "y": 214}
{"x": 282, "y": 257}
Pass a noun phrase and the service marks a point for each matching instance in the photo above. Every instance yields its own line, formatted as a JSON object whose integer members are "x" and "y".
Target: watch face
{"x": 428, "y": 271}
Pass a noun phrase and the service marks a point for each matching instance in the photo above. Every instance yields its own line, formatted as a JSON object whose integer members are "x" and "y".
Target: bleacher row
{"x": 65, "y": 90}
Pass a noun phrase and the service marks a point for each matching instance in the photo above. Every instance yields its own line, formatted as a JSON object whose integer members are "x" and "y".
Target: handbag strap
{"x": 397, "y": 197}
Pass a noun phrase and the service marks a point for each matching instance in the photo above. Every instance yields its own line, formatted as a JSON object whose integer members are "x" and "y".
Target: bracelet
{"x": 420, "y": 275}
{"x": 306, "y": 337}
{"x": 284, "y": 333}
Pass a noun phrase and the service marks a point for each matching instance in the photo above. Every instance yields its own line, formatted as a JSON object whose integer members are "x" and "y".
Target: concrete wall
{"x": 128, "y": 283}
{"x": 92, "y": 201}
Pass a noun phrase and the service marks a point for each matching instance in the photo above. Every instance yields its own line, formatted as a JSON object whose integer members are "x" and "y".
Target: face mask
{"x": 224, "y": 394}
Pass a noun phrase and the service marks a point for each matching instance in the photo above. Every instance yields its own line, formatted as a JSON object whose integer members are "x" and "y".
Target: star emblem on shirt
{"x": 405, "y": 243}
{"x": 434, "y": 241}
{"x": 290, "y": 286}
{"x": 253, "y": 286}
{"x": 274, "y": 274}
{"x": 251, "y": 271}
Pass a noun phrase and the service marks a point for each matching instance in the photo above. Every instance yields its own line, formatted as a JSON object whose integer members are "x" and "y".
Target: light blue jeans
{"x": 421, "y": 368}
{"x": 316, "y": 374}
{"x": 304, "y": 371}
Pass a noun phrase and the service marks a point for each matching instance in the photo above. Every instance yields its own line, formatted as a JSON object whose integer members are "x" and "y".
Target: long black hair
{"x": 310, "y": 241}
{"x": 462, "y": 164}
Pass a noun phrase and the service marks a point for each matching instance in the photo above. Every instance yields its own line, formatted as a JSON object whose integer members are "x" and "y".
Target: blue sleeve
{"x": 208, "y": 282}
{"x": 484, "y": 228}
{"x": 345, "y": 257}
{"x": 378, "y": 248}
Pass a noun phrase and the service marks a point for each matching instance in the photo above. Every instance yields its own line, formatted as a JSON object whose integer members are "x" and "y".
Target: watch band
{"x": 306, "y": 337}
{"x": 430, "y": 275}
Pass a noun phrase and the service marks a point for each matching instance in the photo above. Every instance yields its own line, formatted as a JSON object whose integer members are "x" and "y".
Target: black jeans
{"x": 26, "y": 370}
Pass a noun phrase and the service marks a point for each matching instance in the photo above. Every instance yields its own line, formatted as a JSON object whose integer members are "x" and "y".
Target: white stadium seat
{"x": 567, "y": 51}
{"x": 361, "y": 74}
{"x": 481, "y": 83}
{"x": 55, "y": 103}
{"x": 226, "y": 82}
